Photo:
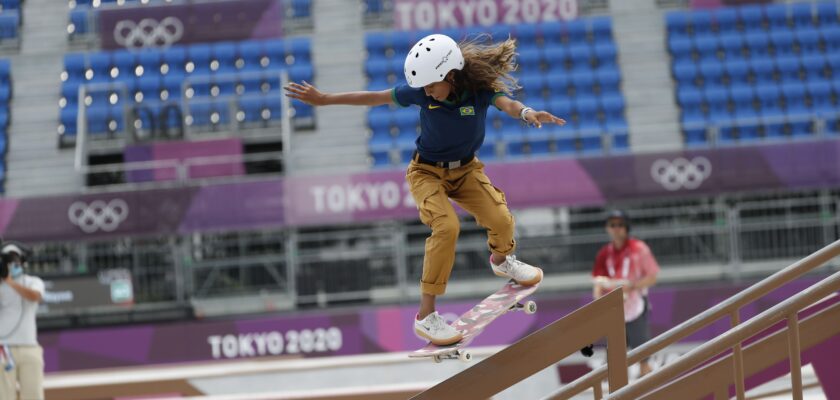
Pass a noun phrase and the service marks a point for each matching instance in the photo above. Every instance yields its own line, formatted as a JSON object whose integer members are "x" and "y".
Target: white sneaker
{"x": 522, "y": 273}
{"x": 436, "y": 330}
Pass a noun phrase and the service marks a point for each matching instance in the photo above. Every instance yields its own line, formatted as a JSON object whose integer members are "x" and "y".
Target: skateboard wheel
{"x": 437, "y": 359}
{"x": 465, "y": 356}
{"x": 530, "y": 307}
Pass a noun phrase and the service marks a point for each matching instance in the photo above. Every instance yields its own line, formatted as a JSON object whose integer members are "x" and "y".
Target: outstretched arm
{"x": 533, "y": 117}
{"x": 312, "y": 96}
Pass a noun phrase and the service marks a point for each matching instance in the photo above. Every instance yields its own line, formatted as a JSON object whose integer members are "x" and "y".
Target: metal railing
{"x": 382, "y": 262}
{"x": 729, "y": 308}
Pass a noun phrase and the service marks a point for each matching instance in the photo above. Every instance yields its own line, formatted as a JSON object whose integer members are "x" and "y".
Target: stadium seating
{"x": 5, "y": 98}
{"x": 216, "y": 83}
{"x": 756, "y": 72}
{"x": 569, "y": 69}
{"x": 10, "y": 19}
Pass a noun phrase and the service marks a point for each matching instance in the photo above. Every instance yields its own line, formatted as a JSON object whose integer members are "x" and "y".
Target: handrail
{"x": 822, "y": 323}
{"x": 603, "y": 317}
{"x": 735, "y": 335}
{"x": 725, "y": 308}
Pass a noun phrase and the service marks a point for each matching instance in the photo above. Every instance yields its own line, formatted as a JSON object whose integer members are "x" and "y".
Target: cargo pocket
{"x": 429, "y": 205}
{"x": 497, "y": 195}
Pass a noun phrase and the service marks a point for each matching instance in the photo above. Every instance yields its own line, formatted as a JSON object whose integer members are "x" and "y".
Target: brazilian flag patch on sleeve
{"x": 469, "y": 110}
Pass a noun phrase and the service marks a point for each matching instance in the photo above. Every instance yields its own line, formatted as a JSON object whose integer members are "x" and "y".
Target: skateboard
{"x": 473, "y": 322}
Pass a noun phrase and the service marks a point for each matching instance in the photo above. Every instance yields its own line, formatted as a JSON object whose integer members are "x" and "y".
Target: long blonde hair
{"x": 487, "y": 65}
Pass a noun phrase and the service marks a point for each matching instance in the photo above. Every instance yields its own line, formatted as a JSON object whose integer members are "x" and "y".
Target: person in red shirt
{"x": 628, "y": 262}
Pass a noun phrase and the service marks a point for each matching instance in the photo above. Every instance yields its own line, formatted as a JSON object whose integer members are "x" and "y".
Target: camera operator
{"x": 21, "y": 357}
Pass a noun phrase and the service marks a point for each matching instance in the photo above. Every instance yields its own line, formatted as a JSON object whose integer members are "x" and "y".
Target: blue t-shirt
{"x": 448, "y": 131}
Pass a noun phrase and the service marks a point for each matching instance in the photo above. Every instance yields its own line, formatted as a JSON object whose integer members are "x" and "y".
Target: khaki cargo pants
{"x": 470, "y": 188}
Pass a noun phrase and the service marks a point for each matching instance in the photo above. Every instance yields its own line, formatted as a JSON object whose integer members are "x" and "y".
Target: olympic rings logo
{"x": 148, "y": 32}
{"x": 681, "y": 173}
{"x": 98, "y": 215}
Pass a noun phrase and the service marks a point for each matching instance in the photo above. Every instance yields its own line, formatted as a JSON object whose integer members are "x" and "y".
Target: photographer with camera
{"x": 21, "y": 357}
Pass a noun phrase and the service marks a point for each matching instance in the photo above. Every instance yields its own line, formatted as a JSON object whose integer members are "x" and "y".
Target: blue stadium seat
{"x": 776, "y": 15}
{"x": 583, "y": 81}
{"x": 275, "y": 54}
{"x": 150, "y": 87}
{"x": 252, "y": 55}
{"x": 827, "y": 13}
{"x": 678, "y": 23}
{"x": 79, "y": 22}
{"x": 225, "y": 56}
{"x": 788, "y": 68}
{"x": 763, "y": 70}
{"x": 198, "y": 59}
{"x": 757, "y": 43}
{"x": 300, "y": 9}
{"x": 601, "y": 28}
{"x": 580, "y": 54}
{"x": 802, "y": 14}
{"x": 9, "y": 24}
{"x": 605, "y": 53}
{"x": 794, "y": 95}
{"x": 575, "y": 31}
{"x": 732, "y": 45}
{"x": 742, "y": 97}
{"x": 689, "y": 97}
{"x": 591, "y": 143}
{"x": 768, "y": 96}
{"x": 609, "y": 80}
{"x": 706, "y": 45}
{"x": 681, "y": 47}
{"x": 175, "y": 59}
{"x": 556, "y": 57}
{"x": 557, "y": 83}
{"x": 299, "y": 49}
{"x": 712, "y": 72}
{"x": 737, "y": 70}
{"x": 75, "y": 66}
{"x": 250, "y": 107}
{"x": 717, "y": 101}
{"x": 831, "y": 37}
{"x": 751, "y": 16}
{"x": 726, "y": 19}
{"x": 150, "y": 60}
{"x": 299, "y": 73}
{"x": 701, "y": 22}
{"x": 821, "y": 97}
{"x": 99, "y": 67}
{"x": 172, "y": 85}
{"x": 782, "y": 41}
{"x": 685, "y": 72}
{"x": 808, "y": 39}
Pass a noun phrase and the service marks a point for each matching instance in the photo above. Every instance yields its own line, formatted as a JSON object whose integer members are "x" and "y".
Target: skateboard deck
{"x": 473, "y": 322}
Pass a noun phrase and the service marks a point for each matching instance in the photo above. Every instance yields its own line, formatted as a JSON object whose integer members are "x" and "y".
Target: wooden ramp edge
{"x": 601, "y": 318}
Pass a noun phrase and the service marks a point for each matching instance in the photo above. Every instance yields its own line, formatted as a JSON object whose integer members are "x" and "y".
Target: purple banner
{"x": 356, "y": 331}
{"x": 382, "y": 195}
{"x": 442, "y": 14}
{"x": 184, "y": 153}
{"x": 164, "y": 25}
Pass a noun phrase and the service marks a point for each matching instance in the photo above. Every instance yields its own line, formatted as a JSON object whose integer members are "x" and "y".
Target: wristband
{"x": 524, "y": 111}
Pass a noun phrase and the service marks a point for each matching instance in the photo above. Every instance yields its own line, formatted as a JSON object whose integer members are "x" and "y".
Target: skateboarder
{"x": 453, "y": 86}
{"x": 629, "y": 260}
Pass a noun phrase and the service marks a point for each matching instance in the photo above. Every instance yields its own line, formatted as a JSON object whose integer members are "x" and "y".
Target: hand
{"x": 537, "y": 118}
{"x": 305, "y": 93}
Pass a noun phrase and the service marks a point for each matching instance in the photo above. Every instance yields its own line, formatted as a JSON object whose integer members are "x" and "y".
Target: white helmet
{"x": 431, "y": 59}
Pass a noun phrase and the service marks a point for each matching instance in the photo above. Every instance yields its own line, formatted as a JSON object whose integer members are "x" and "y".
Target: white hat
{"x": 12, "y": 248}
{"x": 431, "y": 59}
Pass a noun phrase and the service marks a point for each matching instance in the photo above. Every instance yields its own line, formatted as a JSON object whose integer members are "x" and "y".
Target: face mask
{"x": 16, "y": 270}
